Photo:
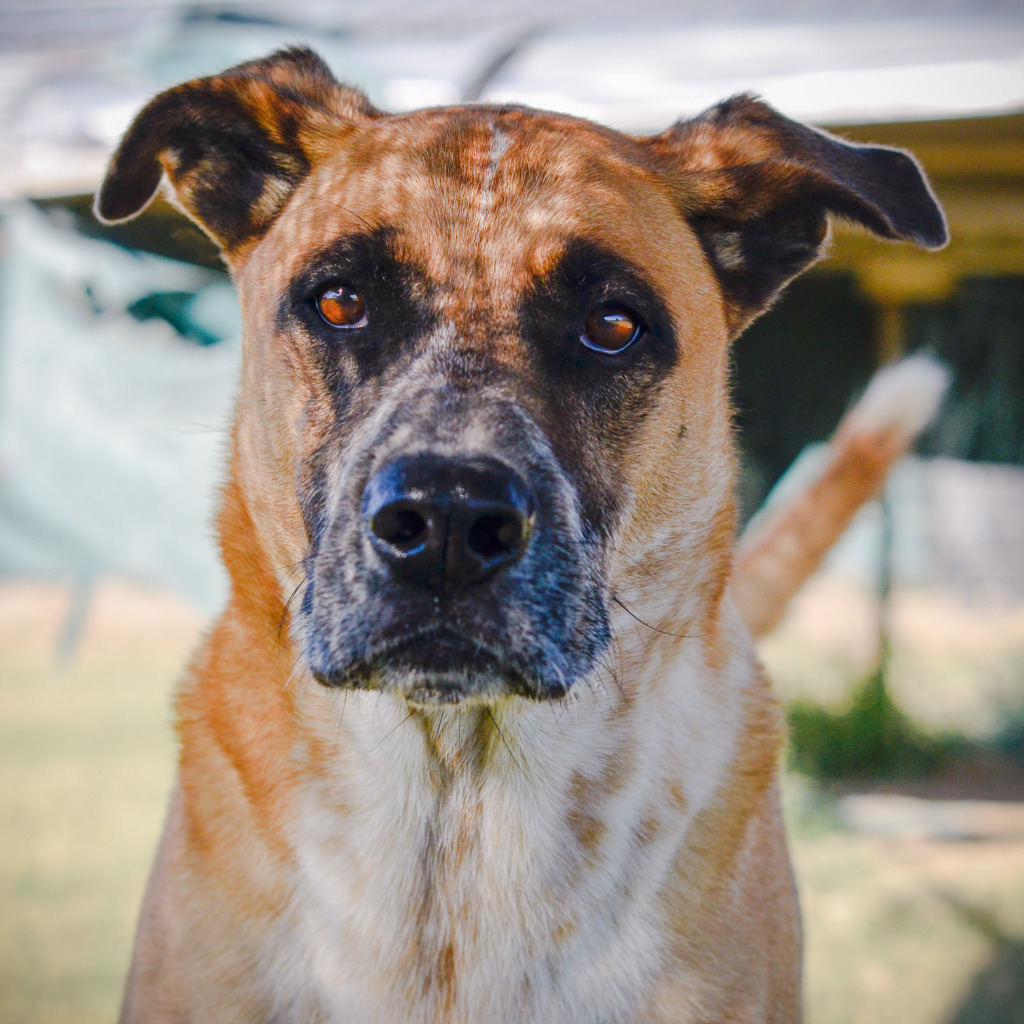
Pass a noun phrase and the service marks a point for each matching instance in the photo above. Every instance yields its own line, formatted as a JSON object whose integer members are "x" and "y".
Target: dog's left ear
{"x": 758, "y": 189}
{"x": 233, "y": 146}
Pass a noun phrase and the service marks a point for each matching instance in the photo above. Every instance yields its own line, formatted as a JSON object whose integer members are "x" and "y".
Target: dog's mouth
{"x": 438, "y": 665}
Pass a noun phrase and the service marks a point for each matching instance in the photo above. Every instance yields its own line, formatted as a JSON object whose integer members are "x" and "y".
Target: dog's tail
{"x": 784, "y": 545}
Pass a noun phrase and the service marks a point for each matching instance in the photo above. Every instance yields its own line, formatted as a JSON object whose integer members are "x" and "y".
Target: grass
{"x": 86, "y": 757}
{"x": 893, "y": 933}
{"x": 898, "y": 931}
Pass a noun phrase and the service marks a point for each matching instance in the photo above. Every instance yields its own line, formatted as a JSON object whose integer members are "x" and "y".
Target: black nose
{"x": 446, "y": 523}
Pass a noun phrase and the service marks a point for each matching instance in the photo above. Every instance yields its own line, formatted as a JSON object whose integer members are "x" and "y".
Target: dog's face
{"x": 485, "y": 355}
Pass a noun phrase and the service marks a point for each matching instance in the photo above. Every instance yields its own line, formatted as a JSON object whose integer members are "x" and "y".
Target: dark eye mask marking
{"x": 393, "y": 290}
{"x": 593, "y": 402}
{"x": 555, "y": 313}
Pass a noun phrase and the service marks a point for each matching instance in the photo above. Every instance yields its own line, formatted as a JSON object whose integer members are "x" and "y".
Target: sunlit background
{"x": 902, "y": 662}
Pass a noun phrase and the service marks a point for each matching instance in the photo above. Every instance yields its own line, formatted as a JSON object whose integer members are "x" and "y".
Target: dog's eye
{"x": 342, "y": 307}
{"x": 611, "y": 329}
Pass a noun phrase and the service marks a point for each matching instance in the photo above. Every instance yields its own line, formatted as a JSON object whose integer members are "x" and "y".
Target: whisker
{"x": 287, "y": 605}
{"x": 394, "y": 728}
{"x": 369, "y": 225}
{"x": 341, "y": 719}
{"x": 290, "y": 567}
{"x": 609, "y": 668}
{"x": 292, "y": 674}
{"x": 497, "y": 728}
{"x": 664, "y": 632}
{"x": 558, "y": 709}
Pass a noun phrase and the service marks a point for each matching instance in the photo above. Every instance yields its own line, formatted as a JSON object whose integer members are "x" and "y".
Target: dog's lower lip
{"x": 439, "y": 650}
{"x": 439, "y": 657}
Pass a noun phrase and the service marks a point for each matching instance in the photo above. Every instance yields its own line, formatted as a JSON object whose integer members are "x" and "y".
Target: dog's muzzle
{"x": 453, "y": 576}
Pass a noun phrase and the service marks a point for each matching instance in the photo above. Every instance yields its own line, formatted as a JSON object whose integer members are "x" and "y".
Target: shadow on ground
{"x": 996, "y": 994}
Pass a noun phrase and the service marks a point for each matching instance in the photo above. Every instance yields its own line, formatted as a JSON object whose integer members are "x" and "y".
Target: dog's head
{"x": 484, "y": 388}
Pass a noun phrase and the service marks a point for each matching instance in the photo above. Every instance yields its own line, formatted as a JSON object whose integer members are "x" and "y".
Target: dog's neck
{"x": 459, "y": 847}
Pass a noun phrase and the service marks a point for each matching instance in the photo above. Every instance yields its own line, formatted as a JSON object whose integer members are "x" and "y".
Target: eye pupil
{"x": 341, "y": 307}
{"x": 611, "y": 329}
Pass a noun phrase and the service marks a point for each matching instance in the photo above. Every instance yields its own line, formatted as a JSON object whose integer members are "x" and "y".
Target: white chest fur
{"x": 461, "y": 866}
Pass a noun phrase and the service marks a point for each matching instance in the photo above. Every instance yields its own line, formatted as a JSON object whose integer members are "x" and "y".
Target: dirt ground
{"x": 901, "y": 926}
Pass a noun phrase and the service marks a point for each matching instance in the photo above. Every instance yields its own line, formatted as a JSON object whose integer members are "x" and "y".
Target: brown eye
{"x": 341, "y": 307}
{"x": 611, "y": 329}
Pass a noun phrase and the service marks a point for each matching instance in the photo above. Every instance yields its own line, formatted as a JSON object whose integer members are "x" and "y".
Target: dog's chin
{"x": 438, "y": 668}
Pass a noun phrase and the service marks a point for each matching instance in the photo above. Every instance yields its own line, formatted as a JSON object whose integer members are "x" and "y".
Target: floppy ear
{"x": 233, "y": 147}
{"x": 758, "y": 189}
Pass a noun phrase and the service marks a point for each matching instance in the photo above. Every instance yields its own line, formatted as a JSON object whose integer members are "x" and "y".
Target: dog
{"x": 481, "y": 735}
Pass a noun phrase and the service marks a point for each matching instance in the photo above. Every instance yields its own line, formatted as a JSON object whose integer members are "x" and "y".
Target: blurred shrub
{"x": 872, "y": 738}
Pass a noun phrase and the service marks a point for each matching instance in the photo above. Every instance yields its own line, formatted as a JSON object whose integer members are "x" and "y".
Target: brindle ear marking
{"x": 758, "y": 189}
{"x": 233, "y": 146}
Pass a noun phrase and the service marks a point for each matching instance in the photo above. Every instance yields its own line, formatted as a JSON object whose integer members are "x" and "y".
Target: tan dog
{"x": 508, "y": 755}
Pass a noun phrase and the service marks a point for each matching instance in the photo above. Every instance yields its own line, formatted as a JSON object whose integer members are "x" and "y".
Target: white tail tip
{"x": 903, "y": 397}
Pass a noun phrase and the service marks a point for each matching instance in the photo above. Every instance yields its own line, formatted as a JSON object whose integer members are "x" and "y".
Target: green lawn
{"x": 903, "y": 931}
{"x": 86, "y": 759}
{"x": 898, "y": 931}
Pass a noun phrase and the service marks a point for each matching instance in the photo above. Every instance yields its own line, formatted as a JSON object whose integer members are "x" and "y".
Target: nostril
{"x": 401, "y": 527}
{"x": 494, "y": 536}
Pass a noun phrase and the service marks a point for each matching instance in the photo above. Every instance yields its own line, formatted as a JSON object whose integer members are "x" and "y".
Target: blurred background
{"x": 901, "y": 663}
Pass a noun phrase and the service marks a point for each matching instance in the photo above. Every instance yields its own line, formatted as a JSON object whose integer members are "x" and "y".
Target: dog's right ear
{"x": 233, "y": 147}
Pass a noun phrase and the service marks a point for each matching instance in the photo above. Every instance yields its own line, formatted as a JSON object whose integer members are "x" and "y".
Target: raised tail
{"x": 783, "y": 546}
